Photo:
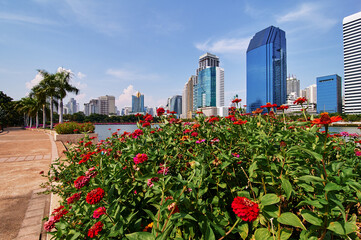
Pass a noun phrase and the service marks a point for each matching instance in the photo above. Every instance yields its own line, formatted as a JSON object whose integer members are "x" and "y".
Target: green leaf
{"x": 140, "y": 236}
{"x": 351, "y": 226}
{"x": 243, "y": 230}
{"x": 310, "y": 178}
{"x": 290, "y": 219}
{"x": 252, "y": 169}
{"x": 311, "y": 217}
{"x": 285, "y": 234}
{"x": 330, "y": 186}
{"x": 209, "y": 233}
{"x": 317, "y": 156}
{"x": 287, "y": 187}
{"x": 269, "y": 199}
{"x": 337, "y": 227}
{"x": 261, "y": 234}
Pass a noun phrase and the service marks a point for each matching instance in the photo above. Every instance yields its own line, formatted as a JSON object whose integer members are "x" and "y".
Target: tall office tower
{"x": 266, "y": 68}
{"x": 352, "y": 62}
{"x": 138, "y": 103}
{"x": 92, "y": 107}
{"x": 311, "y": 93}
{"x": 72, "y": 106}
{"x": 209, "y": 88}
{"x": 106, "y": 105}
{"x": 187, "y": 98}
{"x": 293, "y": 85}
{"x": 175, "y": 104}
{"x": 329, "y": 97}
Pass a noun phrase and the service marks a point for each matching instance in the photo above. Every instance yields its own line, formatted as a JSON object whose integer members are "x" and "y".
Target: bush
{"x": 73, "y": 127}
{"x": 240, "y": 177}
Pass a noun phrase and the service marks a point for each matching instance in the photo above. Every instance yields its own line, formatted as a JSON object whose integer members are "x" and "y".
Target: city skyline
{"x": 141, "y": 46}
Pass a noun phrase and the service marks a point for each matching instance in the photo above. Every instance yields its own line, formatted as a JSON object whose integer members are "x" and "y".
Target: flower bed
{"x": 74, "y": 128}
{"x": 240, "y": 177}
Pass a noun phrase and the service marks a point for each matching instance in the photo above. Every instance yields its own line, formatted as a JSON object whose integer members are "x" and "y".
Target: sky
{"x": 119, "y": 47}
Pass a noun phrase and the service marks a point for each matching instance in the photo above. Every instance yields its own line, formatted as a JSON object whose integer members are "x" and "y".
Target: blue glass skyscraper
{"x": 266, "y": 68}
{"x": 138, "y": 103}
{"x": 329, "y": 97}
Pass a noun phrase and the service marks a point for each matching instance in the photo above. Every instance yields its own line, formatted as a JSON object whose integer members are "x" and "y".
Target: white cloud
{"x": 226, "y": 45}
{"x": 308, "y": 15}
{"x": 125, "y": 99}
{"x": 35, "y": 81}
{"x": 80, "y": 75}
{"x": 24, "y": 19}
{"x": 80, "y": 97}
{"x": 129, "y": 75}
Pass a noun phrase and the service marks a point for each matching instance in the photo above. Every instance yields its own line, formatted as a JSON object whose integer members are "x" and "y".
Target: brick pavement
{"x": 23, "y": 154}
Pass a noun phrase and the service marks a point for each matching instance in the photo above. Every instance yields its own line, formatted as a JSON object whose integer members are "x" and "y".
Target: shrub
{"x": 240, "y": 177}
{"x": 73, "y": 127}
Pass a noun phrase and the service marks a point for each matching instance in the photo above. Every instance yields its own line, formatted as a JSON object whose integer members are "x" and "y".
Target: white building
{"x": 107, "y": 105}
{"x": 352, "y": 62}
{"x": 293, "y": 85}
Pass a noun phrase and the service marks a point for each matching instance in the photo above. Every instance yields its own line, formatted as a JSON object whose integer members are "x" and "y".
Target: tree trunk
{"x": 37, "y": 119}
{"x": 31, "y": 122}
{"x": 44, "y": 115}
{"x": 61, "y": 111}
{"x": 51, "y": 112}
{"x": 25, "y": 120}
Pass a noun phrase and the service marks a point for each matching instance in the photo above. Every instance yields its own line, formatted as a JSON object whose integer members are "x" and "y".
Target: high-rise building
{"x": 107, "y": 105}
{"x": 187, "y": 98}
{"x": 175, "y": 104}
{"x": 138, "y": 103}
{"x": 91, "y": 107}
{"x": 352, "y": 62}
{"x": 72, "y": 106}
{"x": 208, "y": 89}
{"x": 266, "y": 68}
{"x": 311, "y": 94}
{"x": 293, "y": 85}
{"x": 329, "y": 97}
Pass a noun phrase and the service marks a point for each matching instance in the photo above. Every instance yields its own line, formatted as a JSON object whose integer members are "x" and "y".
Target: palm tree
{"x": 63, "y": 87}
{"x": 49, "y": 88}
{"x": 39, "y": 93}
{"x": 29, "y": 107}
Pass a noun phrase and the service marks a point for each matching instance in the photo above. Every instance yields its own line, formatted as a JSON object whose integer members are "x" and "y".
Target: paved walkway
{"x": 23, "y": 154}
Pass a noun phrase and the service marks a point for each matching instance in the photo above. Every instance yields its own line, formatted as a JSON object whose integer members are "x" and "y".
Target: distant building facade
{"x": 92, "y": 107}
{"x": 293, "y": 85}
{"x": 352, "y": 63}
{"x": 175, "y": 104}
{"x": 208, "y": 89}
{"x": 187, "y": 98}
{"x": 72, "y": 106}
{"x": 138, "y": 103}
{"x": 329, "y": 97}
{"x": 107, "y": 105}
{"x": 266, "y": 68}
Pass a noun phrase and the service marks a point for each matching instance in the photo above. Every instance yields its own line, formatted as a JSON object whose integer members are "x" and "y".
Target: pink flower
{"x": 140, "y": 158}
{"x": 163, "y": 170}
{"x": 99, "y": 211}
{"x": 81, "y": 182}
{"x": 201, "y": 140}
{"x": 150, "y": 181}
{"x": 49, "y": 225}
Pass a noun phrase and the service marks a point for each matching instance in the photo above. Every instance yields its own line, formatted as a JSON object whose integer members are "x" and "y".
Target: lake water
{"x": 104, "y": 132}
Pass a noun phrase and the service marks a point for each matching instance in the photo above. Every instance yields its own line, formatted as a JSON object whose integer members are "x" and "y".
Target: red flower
{"x": 194, "y": 134}
{"x": 195, "y": 126}
{"x": 283, "y": 107}
{"x": 95, "y": 229}
{"x": 99, "y": 211}
{"x": 75, "y": 197}
{"x": 160, "y": 112}
{"x": 236, "y": 100}
{"x": 199, "y": 112}
{"x": 239, "y": 122}
{"x": 172, "y": 112}
{"x": 325, "y": 119}
{"x": 81, "y": 182}
{"x": 213, "y": 119}
{"x": 140, "y": 158}
{"x": 148, "y": 118}
{"x": 95, "y": 195}
{"x": 146, "y": 124}
{"x": 76, "y": 130}
{"x": 300, "y": 100}
{"x": 245, "y": 209}
{"x": 257, "y": 111}
{"x": 268, "y": 105}
{"x": 139, "y": 115}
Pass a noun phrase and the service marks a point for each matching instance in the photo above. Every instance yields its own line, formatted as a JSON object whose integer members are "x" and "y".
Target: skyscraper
{"x": 187, "y": 98}
{"x": 266, "y": 68}
{"x": 208, "y": 89}
{"x": 293, "y": 85}
{"x": 329, "y": 97}
{"x": 352, "y": 62}
{"x": 91, "y": 107}
{"x": 138, "y": 103}
{"x": 175, "y": 104}
{"x": 107, "y": 105}
{"x": 72, "y": 106}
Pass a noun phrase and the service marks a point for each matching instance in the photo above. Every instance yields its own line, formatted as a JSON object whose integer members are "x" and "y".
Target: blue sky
{"x": 118, "y": 47}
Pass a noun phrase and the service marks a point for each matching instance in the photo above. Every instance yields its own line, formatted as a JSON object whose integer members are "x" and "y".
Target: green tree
{"x": 29, "y": 107}
{"x": 63, "y": 87}
{"x": 5, "y": 103}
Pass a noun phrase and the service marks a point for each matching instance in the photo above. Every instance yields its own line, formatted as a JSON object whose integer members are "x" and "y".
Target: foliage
{"x": 101, "y": 118}
{"x": 179, "y": 182}
{"x": 8, "y": 117}
{"x": 73, "y": 127}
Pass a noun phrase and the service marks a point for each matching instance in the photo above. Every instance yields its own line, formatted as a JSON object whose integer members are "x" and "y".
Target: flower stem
{"x": 230, "y": 230}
